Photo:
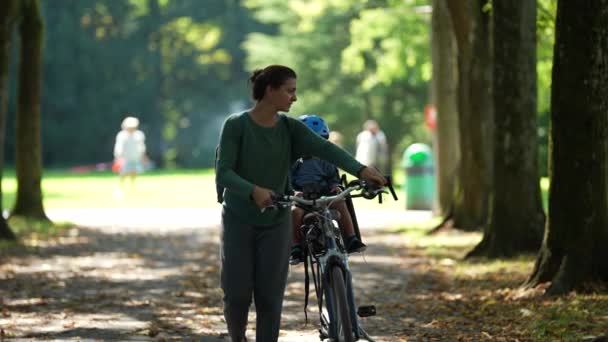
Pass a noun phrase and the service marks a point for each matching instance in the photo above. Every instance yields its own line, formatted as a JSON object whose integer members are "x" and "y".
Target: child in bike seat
{"x": 313, "y": 173}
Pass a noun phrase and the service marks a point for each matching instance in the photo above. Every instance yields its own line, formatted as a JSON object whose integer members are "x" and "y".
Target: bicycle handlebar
{"x": 369, "y": 191}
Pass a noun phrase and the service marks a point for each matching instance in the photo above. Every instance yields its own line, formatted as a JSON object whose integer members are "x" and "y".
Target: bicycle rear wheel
{"x": 342, "y": 321}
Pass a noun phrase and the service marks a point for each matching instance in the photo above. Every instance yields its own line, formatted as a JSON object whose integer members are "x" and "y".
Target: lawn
{"x": 155, "y": 189}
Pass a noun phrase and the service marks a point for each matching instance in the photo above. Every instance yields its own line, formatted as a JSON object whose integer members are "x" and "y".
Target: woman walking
{"x": 257, "y": 148}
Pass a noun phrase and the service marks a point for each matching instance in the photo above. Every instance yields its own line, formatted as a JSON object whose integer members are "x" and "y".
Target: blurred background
{"x": 181, "y": 67}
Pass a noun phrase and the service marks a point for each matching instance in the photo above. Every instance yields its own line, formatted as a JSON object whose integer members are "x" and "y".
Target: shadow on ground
{"x": 91, "y": 284}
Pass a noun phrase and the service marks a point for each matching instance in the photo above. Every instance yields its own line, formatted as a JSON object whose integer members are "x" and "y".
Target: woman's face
{"x": 283, "y": 96}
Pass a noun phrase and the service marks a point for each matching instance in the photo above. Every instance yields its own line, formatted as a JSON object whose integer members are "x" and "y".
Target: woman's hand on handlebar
{"x": 372, "y": 175}
{"x": 261, "y": 196}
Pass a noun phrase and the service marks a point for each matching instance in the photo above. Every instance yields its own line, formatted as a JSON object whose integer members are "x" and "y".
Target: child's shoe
{"x": 296, "y": 256}
{"x": 354, "y": 245}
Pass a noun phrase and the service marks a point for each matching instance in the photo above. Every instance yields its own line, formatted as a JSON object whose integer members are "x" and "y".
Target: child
{"x": 324, "y": 176}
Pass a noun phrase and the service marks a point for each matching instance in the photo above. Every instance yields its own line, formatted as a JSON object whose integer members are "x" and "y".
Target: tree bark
{"x": 474, "y": 182}
{"x": 28, "y": 155}
{"x": 7, "y": 12}
{"x": 576, "y": 234}
{"x": 156, "y": 119}
{"x": 445, "y": 98}
{"x": 516, "y": 215}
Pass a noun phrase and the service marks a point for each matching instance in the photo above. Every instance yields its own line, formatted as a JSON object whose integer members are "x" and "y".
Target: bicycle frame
{"x": 333, "y": 255}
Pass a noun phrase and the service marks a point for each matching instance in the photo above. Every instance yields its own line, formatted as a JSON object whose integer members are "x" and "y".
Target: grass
{"x": 155, "y": 189}
{"x": 31, "y": 230}
{"x": 488, "y": 294}
{"x": 61, "y": 189}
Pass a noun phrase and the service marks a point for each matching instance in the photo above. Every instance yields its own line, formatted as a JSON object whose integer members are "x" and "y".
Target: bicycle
{"x": 325, "y": 248}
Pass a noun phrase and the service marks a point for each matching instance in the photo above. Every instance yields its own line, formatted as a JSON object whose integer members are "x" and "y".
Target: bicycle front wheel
{"x": 342, "y": 321}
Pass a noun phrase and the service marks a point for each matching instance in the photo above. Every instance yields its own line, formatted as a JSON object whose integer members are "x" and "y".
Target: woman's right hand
{"x": 371, "y": 174}
{"x": 261, "y": 196}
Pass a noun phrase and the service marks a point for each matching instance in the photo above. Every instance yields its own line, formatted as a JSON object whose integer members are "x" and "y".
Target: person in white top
{"x": 130, "y": 149}
{"x": 372, "y": 148}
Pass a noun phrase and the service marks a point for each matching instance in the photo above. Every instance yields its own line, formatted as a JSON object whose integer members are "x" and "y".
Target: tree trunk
{"x": 155, "y": 119}
{"x": 7, "y": 12}
{"x": 28, "y": 158}
{"x": 444, "y": 97}
{"x": 576, "y": 234}
{"x": 516, "y": 215}
{"x": 471, "y": 196}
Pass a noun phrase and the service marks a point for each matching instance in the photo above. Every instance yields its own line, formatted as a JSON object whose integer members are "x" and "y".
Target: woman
{"x": 256, "y": 150}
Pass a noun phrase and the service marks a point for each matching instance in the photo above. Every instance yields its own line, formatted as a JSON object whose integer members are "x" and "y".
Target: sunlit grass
{"x": 28, "y": 231}
{"x": 172, "y": 189}
{"x": 452, "y": 244}
{"x": 157, "y": 189}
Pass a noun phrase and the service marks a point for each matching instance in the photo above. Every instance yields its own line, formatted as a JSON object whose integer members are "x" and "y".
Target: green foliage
{"x": 181, "y": 67}
{"x": 177, "y": 65}
{"x": 545, "y": 33}
{"x": 355, "y": 60}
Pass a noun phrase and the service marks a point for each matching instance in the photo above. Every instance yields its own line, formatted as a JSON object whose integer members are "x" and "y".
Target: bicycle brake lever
{"x": 389, "y": 184}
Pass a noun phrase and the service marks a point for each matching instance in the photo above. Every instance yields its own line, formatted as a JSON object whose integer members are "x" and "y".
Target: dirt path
{"x": 148, "y": 274}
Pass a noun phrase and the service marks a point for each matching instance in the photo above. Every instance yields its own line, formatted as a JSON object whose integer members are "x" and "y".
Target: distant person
{"x": 130, "y": 150}
{"x": 372, "y": 148}
{"x": 336, "y": 138}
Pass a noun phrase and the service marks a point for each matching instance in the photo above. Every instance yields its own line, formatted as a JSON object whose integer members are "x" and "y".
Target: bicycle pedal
{"x": 366, "y": 310}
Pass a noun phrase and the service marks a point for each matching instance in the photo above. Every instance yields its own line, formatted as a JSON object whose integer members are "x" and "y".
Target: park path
{"x": 152, "y": 275}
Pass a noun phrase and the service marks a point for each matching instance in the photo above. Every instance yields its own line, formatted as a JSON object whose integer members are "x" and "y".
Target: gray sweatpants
{"x": 255, "y": 260}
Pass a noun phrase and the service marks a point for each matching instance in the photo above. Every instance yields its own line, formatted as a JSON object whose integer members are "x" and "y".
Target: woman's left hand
{"x": 370, "y": 174}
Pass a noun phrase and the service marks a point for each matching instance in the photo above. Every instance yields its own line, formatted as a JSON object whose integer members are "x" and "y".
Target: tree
{"x": 516, "y": 215}
{"x": 7, "y": 16}
{"x": 444, "y": 97}
{"x": 28, "y": 152}
{"x": 103, "y": 63}
{"x": 474, "y": 182}
{"x": 355, "y": 60}
{"x": 576, "y": 232}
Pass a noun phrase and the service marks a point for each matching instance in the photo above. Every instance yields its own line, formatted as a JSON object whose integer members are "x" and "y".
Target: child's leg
{"x": 352, "y": 243}
{"x": 297, "y": 255}
{"x": 296, "y": 221}
{"x": 346, "y": 222}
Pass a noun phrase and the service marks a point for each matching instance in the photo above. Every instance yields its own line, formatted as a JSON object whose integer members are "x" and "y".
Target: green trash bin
{"x": 419, "y": 177}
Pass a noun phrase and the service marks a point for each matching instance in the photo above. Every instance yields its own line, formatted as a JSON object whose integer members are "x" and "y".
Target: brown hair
{"x": 272, "y": 75}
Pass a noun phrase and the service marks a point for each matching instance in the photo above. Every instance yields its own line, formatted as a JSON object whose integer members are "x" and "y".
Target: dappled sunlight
{"x": 62, "y": 324}
{"x": 372, "y": 259}
{"x": 133, "y": 283}
{"x": 108, "y": 282}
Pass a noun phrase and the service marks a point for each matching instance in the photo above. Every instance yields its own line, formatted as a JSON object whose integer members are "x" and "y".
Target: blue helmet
{"x": 315, "y": 123}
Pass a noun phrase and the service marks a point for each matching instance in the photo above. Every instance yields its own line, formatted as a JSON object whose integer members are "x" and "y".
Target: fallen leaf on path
{"x": 526, "y": 312}
{"x": 69, "y": 325}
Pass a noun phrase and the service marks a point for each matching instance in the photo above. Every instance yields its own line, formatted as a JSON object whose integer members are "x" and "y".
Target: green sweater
{"x": 250, "y": 154}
